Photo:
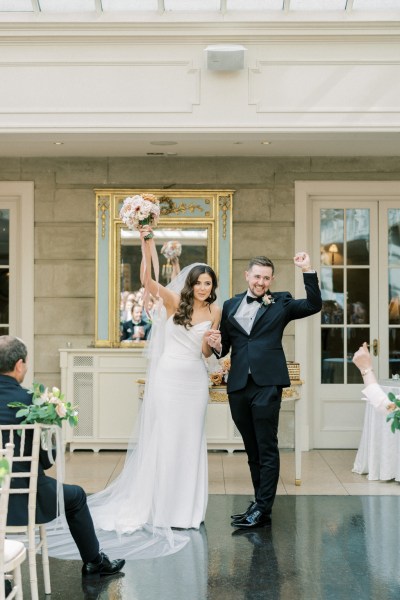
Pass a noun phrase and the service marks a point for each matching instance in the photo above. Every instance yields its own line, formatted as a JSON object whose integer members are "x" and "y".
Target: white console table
{"x": 221, "y": 431}
{"x": 104, "y": 384}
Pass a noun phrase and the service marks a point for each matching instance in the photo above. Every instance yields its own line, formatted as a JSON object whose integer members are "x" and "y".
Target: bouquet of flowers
{"x": 48, "y": 407}
{"x": 394, "y": 415}
{"x": 140, "y": 210}
{"x": 171, "y": 249}
{"x": 219, "y": 375}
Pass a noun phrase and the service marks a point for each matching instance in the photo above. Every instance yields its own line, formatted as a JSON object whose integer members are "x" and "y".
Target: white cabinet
{"x": 102, "y": 384}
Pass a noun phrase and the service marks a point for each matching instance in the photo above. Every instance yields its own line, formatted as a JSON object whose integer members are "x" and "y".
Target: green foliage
{"x": 4, "y": 469}
{"x": 48, "y": 407}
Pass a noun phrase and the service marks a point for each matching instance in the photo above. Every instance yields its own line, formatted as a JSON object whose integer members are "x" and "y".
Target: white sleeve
{"x": 375, "y": 395}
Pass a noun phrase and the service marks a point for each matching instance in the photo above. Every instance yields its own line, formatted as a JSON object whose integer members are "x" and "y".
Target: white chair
{"x": 12, "y": 553}
{"x": 11, "y": 432}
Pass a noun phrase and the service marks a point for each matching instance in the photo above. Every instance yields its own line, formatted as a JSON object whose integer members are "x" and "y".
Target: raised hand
{"x": 302, "y": 260}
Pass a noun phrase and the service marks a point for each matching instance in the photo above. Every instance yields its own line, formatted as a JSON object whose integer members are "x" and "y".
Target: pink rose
{"x": 61, "y": 410}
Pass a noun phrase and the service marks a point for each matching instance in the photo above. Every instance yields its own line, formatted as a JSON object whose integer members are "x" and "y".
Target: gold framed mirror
{"x": 195, "y": 226}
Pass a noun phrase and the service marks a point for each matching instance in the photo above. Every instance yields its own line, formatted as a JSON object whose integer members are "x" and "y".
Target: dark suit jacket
{"x": 127, "y": 329}
{"x": 261, "y": 351}
{"x": 46, "y": 506}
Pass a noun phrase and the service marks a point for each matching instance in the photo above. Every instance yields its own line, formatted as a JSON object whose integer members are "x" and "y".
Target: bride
{"x": 164, "y": 482}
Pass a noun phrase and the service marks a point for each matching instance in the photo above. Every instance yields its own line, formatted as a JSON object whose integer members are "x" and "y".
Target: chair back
{"x": 26, "y": 441}
{"x": 7, "y": 454}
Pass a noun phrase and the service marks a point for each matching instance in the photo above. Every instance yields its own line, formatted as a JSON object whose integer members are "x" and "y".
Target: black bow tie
{"x": 251, "y": 299}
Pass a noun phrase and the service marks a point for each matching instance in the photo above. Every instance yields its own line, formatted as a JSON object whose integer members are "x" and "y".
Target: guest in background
{"x": 137, "y": 329}
{"x": 373, "y": 391}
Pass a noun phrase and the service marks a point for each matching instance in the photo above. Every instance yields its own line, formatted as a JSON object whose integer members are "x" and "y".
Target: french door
{"x": 358, "y": 244}
{"x": 17, "y": 264}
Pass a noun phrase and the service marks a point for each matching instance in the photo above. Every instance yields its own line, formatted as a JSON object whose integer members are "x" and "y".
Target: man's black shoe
{"x": 103, "y": 567}
{"x": 253, "y": 520}
{"x": 246, "y": 512}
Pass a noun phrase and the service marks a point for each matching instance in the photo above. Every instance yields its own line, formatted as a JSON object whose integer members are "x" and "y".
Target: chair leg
{"x": 45, "y": 560}
{"x": 32, "y": 564}
{"x": 18, "y": 583}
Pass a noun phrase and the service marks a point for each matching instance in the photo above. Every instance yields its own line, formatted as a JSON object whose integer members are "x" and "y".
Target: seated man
{"x": 137, "y": 328}
{"x": 13, "y": 367}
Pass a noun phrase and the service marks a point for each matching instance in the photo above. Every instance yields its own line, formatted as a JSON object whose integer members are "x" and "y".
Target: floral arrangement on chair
{"x": 219, "y": 374}
{"x": 48, "y": 407}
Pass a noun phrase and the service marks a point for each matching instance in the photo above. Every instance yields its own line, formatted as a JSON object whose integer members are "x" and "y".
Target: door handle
{"x": 375, "y": 347}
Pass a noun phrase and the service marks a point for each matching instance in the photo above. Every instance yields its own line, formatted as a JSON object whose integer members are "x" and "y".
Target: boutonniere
{"x": 267, "y": 300}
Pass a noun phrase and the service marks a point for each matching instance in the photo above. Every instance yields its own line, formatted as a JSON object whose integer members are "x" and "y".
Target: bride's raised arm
{"x": 170, "y": 299}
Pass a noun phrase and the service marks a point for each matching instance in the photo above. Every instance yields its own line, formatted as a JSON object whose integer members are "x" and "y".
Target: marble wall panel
{"x": 65, "y": 279}
{"x": 57, "y": 242}
{"x": 64, "y": 316}
{"x": 47, "y": 357}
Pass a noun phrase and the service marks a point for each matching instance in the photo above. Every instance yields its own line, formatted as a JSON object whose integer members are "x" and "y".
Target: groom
{"x": 252, "y": 326}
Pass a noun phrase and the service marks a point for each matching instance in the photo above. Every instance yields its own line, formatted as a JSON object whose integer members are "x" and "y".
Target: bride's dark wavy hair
{"x": 183, "y": 315}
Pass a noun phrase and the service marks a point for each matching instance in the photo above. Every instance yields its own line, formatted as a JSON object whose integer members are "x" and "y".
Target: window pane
{"x": 355, "y": 338}
{"x": 332, "y": 236}
{"x": 254, "y": 4}
{"x": 123, "y": 5}
{"x": 376, "y": 4}
{"x": 332, "y": 295}
{"x": 332, "y": 367}
{"x": 16, "y": 6}
{"x": 357, "y": 229}
{"x": 394, "y": 351}
{"x": 317, "y": 4}
{"x": 4, "y": 237}
{"x": 70, "y": 6}
{"x": 185, "y": 5}
{"x": 394, "y": 296}
{"x": 4, "y": 296}
{"x": 357, "y": 296}
{"x": 394, "y": 237}
{"x": 4, "y": 331}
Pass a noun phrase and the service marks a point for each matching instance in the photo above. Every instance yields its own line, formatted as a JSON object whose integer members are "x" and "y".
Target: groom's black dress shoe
{"x": 102, "y": 567}
{"x": 254, "y": 519}
{"x": 252, "y": 505}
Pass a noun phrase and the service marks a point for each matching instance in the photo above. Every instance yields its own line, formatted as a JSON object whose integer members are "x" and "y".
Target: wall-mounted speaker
{"x": 225, "y": 57}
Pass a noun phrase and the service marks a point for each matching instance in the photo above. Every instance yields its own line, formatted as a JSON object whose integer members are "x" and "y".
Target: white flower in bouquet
{"x": 140, "y": 210}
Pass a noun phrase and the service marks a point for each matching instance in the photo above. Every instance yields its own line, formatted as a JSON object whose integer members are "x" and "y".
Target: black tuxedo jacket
{"x": 46, "y": 504}
{"x": 127, "y": 329}
{"x": 261, "y": 352}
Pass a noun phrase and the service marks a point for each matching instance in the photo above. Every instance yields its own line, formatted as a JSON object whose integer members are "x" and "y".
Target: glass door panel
{"x": 393, "y": 254}
{"x": 4, "y": 271}
{"x": 345, "y": 286}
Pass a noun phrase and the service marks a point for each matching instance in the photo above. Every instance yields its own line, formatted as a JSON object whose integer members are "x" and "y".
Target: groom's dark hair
{"x": 262, "y": 261}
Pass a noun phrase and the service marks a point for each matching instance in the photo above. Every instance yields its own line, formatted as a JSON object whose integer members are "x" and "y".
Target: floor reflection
{"x": 319, "y": 548}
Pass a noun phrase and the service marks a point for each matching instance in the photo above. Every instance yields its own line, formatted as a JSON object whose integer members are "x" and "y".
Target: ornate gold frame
{"x": 208, "y": 209}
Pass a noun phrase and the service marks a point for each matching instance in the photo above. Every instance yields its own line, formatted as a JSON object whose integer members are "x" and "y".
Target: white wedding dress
{"x": 182, "y": 386}
{"x": 164, "y": 482}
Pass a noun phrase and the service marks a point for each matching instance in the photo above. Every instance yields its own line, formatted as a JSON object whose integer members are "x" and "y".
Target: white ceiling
{"x": 200, "y": 144}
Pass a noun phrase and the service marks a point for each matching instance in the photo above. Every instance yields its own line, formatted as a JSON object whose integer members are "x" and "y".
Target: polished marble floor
{"x": 336, "y": 537}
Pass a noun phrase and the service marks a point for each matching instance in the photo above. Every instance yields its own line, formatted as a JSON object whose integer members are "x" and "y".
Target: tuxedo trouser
{"x": 255, "y": 411}
{"x": 80, "y": 522}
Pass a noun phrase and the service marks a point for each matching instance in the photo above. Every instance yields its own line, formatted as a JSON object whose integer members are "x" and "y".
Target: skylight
{"x": 287, "y": 8}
